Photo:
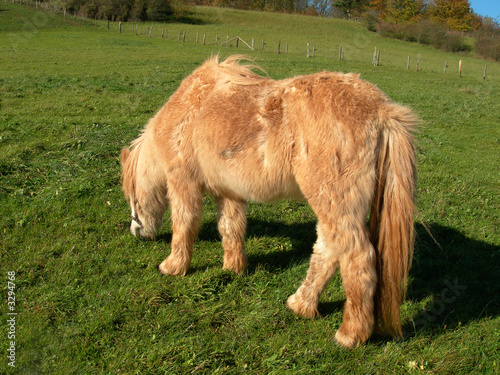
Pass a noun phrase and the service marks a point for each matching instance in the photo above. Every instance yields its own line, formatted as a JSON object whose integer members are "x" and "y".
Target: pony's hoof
{"x": 347, "y": 341}
{"x": 236, "y": 265}
{"x": 173, "y": 267}
{"x": 299, "y": 308}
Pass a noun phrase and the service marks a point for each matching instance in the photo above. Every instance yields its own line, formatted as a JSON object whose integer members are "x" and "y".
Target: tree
{"x": 351, "y": 7}
{"x": 321, "y": 6}
{"x": 158, "y": 10}
{"x": 488, "y": 39}
{"x": 301, "y": 5}
{"x": 405, "y": 11}
{"x": 456, "y": 14}
{"x": 138, "y": 11}
{"x": 379, "y": 6}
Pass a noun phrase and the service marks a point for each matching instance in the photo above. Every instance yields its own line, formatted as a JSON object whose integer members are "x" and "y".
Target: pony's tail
{"x": 392, "y": 214}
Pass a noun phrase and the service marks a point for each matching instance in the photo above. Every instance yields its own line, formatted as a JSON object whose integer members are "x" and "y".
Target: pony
{"x": 329, "y": 138}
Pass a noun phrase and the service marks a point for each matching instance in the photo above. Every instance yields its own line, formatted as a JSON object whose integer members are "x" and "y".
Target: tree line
{"x": 455, "y": 14}
{"x": 128, "y": 10}
{"x": 423, "y": 21}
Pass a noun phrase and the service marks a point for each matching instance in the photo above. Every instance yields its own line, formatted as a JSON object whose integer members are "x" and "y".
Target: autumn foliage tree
{"x": 379, "y": 7}
{"x": 456, "y": 14}
{"x": 404, "y": 11}
{"x": 452, "y": 14}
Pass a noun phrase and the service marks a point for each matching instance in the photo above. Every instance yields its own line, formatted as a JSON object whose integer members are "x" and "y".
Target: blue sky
{"x": 490, "y": 8}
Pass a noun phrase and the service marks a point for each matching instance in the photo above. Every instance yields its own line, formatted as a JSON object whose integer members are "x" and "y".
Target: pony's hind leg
{"x": 186, "y": 207}
{"x": 351, "y": 249}
{"x": 232, "y": 225}
{"x": 341, "y": 204}
{"x": 322, "y": 266}
{"x": 359, "y": 279}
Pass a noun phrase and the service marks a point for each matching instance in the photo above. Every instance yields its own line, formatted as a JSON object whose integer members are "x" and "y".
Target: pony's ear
{"x": 124, "y": 156}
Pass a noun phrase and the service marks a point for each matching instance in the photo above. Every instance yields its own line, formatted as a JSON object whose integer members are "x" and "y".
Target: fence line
{"x": 182, "y": 35}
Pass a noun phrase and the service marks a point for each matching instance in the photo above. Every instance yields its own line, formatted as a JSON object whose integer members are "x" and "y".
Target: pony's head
{"x": 144, "y": 190}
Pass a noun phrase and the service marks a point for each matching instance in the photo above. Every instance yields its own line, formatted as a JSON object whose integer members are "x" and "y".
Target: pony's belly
{"x": 269, "y": 193}
{"x": 257, "y": 184}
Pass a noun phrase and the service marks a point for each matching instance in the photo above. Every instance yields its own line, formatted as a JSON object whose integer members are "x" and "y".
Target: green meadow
{"x": 88, "y": 295}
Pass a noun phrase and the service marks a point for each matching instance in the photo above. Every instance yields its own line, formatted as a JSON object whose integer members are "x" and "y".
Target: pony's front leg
{"x": 186, "y": 208}
{"x": 232, "y": 225}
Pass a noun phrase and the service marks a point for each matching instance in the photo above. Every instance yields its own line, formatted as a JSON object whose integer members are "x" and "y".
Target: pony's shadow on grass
{"x": 301, "y": 236}
{"x": 457, "y": 279}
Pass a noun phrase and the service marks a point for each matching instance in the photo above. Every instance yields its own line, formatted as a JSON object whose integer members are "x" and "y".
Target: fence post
{"x": 484, "y": 74}
{"x": 120, "y": 27}
{"x": 204, "y": 37}
{"x": 460, "y": 69}
{"x": 286, "y": 47}
{"x": 445, "y": 66}
{"x": 307, "y": 50}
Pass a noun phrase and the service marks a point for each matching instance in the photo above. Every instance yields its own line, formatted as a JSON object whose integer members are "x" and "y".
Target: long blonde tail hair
{"x": 392, "y": 230}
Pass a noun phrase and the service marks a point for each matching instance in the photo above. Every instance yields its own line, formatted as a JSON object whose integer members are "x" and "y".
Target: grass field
{"x": 89, "y": 297}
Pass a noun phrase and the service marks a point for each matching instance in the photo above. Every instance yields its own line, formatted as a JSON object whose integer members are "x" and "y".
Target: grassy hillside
{"x": 88, "y": 295}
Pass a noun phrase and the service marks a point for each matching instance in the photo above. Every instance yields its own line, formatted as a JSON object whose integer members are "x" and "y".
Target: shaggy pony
{"x": 329, "y": 138}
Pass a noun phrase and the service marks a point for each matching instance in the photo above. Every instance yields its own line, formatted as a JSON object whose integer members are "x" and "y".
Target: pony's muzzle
{"x": 135, "y": 228}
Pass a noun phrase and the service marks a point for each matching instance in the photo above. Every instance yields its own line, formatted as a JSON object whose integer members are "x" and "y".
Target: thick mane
{"x": 234, "y": 71}
{"x": 129, "y": 167}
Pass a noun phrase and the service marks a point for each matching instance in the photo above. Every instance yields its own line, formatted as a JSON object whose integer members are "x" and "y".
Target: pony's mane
{"x": 235, "y": 71}
{"x": 130, "y": 167}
